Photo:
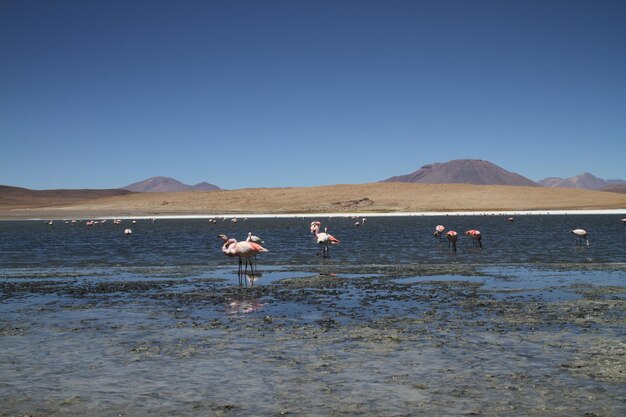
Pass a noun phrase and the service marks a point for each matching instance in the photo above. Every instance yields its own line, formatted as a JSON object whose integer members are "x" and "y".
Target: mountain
{"x": 204, "y": 186}
{"x": 167, "y": 184}
{"x": 17, "y": 197}
{"x": 585, "y": 181}
{"x": 464, "y": 171}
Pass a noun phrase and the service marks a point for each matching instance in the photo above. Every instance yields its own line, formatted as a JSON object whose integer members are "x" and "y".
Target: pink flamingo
{"x": 242, "y": 250}
{"x": 315, "y": 225}
{"x": 476, "y": 237}
{"x": 324, "y": 239}
{"x": 439, "y": 231}
{"x": 452, "y": 238}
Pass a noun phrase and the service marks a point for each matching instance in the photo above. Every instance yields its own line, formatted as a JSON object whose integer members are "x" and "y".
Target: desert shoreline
{"x": 356, "y": 215}
{"x": 374, "y": 199}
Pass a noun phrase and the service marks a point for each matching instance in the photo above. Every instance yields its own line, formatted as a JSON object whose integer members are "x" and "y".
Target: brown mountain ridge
{"x": 167, "y": 184}
{"x": 464, "y": 171}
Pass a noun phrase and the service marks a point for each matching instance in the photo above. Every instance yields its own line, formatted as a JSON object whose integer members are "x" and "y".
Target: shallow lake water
{"x": 394, "y": 323}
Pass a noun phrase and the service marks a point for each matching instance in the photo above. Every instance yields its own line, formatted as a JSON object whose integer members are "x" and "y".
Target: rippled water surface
{"x": 96, "y": 323}
{"x": 384, "y": 240}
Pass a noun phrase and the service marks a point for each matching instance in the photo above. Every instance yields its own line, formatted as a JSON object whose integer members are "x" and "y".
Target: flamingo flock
{"x": 247, "y": 250}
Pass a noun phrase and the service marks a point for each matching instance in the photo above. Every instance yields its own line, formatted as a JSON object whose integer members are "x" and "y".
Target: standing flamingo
{"x": 476, "y": 237}
{"x": 253, "y": 238}
{"x": 439, "y": 231}
{"x": 315, "y": 225}
{"x": 580, "y": 235}
{"x": 452, "y": 238}
{"x": 242, "y": 250}
{"x": 324, "y": 239}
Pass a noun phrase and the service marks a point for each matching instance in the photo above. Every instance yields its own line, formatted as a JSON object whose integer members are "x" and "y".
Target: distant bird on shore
{"x": 511, "y": 219}
{"x": 243, "y": 250}
{"x": 128, "y": 232}
{"x": 324, "y": 239}
{"x": 439, "y": 231}
{"x": 624, "y": 222}
{"x": 580, "y": 235}
{"x": 475, "y": 236}
{"x": 452, "y": 237}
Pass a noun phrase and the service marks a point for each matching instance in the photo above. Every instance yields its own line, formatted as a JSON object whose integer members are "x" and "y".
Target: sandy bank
{"x": 361, "y": 199}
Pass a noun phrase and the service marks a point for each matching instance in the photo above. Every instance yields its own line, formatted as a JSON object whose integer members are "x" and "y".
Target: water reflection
{"x": 248, "y": 280}
{"x": 243, "y": 306}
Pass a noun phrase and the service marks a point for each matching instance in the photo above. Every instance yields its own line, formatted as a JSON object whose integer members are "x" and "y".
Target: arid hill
{"x": 616, "y": 188}
{"x": 463, "y": 171}
{"x": 17, "y": 197}
{"x": 363, "y": 198}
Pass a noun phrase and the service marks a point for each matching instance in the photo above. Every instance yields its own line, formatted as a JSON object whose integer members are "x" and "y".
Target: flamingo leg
{"x": 239, "y": 273}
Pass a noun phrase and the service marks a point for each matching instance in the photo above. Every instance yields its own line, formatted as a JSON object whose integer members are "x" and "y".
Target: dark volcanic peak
{"x": 167, "y": 184}
{"x": 585, "y": 181}
{"x": 464, "y": 171}
{"x": 204, "y": 186}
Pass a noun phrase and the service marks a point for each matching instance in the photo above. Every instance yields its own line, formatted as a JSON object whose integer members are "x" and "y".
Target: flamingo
{"x": 580, "y": 235}
{"x": 255, "y": 239}
{"x": 242, "y": 250}
{"x": 315, "y": 225}
{"x": 324, "y": 239}
{"x": 439, "y": 230}
{"x": 476, "y": 237}
{"x": 452, "y": 238}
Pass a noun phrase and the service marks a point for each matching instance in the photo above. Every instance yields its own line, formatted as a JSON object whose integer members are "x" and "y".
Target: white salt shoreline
{"x": 360, "y": 215}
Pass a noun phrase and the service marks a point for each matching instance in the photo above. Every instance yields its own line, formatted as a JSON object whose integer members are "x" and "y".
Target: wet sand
{"x": 315, "y": 341}
{"x": 359, "y": 198}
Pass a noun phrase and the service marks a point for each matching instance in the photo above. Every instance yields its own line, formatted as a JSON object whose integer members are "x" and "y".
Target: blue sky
{"x": 100, "y": 94}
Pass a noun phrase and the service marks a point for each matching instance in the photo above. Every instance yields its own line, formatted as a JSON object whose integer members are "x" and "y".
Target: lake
{"x": 97, "y": 323}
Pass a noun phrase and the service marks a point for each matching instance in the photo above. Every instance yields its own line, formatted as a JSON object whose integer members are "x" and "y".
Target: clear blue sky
{"x": 241, "y": 94}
